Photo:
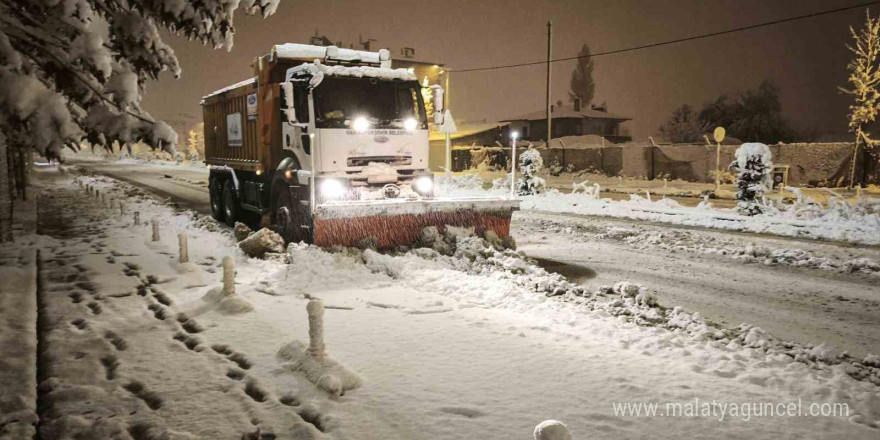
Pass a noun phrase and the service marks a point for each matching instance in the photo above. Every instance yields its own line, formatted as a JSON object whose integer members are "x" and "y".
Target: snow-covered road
{"x": 445, "y": 350}
{"x": 807, "y": 295}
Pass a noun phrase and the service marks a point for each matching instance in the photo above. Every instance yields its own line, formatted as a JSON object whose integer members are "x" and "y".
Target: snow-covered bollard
{"x": 155, "y": 222}
{"x": 184, "y": 251}
{"x": 137, "y": 218}
{"x": 103, "y": 199}
{"x": 97, "y": 193}
{"x": 315, "y": 308}
{"x": 552, "y": 430}
{"x": 228, "y": 276}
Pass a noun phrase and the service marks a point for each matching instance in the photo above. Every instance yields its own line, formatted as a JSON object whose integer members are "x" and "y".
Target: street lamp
{"x": 513, "y": 136}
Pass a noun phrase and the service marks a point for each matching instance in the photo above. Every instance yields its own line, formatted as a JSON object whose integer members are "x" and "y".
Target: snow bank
{"x": 837, "y": 222}
{"x": 326, "y": 374}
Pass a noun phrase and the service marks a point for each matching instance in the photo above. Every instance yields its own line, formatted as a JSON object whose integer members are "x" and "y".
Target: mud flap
{"x": 399, "y": 222}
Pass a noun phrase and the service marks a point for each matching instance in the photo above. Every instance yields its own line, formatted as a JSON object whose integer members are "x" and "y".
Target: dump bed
{"x": 231, "y": 133}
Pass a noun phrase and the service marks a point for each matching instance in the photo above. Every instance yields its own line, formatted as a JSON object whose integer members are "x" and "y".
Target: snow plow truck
{"x": 330, "y": 146}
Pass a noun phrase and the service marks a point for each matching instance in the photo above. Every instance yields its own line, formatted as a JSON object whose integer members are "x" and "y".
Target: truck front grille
{"x": 363, "y": 161}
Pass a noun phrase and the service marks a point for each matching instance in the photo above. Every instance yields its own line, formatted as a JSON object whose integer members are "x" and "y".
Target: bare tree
{"x": 864, "y": 77}
{"x": 683, "y": 126}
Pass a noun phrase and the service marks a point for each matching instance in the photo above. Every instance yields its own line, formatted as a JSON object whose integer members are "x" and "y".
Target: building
{"x": 570, "y": 121}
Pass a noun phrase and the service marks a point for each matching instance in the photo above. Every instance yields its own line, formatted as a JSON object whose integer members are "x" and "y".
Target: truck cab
{"x": 330, "y": 146}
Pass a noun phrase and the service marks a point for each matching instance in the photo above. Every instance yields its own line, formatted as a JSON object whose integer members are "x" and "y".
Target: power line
{"x": 665, "y": 43}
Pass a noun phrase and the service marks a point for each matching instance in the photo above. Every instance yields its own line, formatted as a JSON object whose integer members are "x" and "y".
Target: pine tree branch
{"x": 99, "y": 93}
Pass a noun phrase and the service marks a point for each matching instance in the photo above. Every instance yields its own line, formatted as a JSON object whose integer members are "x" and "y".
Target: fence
{"x": 818, "y": 164}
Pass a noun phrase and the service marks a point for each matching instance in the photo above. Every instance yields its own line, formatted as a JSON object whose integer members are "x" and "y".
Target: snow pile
{"x": 327, "y": 374}
{"x": 460, "y": 183}
{"x": 552, "y": 430}
{"x": 313, "y": 269}
{"x": 857, "y": 229}
{"x": 864, "y": 210}
{"x": 315, "y": 73}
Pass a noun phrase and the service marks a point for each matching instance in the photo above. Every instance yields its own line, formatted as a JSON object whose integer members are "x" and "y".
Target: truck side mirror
{"x": 438, "y": 103}
{"x": 287, "y": 104}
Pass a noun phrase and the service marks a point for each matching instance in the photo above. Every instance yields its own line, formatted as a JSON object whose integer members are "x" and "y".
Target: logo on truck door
{"x": 233, "y": 130}
{"x": 252, "y": 106}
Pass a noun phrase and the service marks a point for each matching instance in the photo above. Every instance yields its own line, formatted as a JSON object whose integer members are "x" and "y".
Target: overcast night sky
{"x": 806, "y": 58}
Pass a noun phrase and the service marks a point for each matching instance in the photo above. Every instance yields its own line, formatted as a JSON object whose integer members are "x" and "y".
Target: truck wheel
{"x": 230, "y": 203}
{"x": 288, "y": 217}
{"x": 215, "y": 189}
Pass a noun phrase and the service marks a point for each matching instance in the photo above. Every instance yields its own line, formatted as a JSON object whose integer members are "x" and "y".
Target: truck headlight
{"x": 361, "y": 124}
{"x": 424, "y": 185}
{"x": 332, "y": 189}
{"x": 410, "y": 124}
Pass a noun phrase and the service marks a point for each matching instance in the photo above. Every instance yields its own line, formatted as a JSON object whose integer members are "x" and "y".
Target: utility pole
{"x": 549, "y": 53}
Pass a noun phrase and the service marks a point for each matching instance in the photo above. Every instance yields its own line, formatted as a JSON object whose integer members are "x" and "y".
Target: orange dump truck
{"x": 332, "y": 144}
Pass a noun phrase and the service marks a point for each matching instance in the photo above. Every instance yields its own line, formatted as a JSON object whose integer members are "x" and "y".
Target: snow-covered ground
{"x": 842, "y": 220}
{"x": 467, "y": 346}
{"x": 18, "y": 328}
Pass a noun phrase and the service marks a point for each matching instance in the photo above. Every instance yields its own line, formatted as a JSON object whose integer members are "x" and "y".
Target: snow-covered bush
{"x": 530, "y": 163}
{"x": 754, "y": 176}
{"x": 591, "y": 191}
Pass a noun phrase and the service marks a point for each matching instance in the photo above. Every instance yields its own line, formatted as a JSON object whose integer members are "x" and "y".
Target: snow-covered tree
{"x": 754, "y": 166}
{"x": 864, "y": 77}
{"x": 530, "y": 162}
{"x": 582, "y": 84}
{"x": 74, "y": 70}
{"x": 196, "y": 142}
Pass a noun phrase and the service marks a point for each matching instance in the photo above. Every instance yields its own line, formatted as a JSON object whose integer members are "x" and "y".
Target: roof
{"x": 466, "y": 129}
{"x": 228, "y": 88}
{"x": 565, "y": 111}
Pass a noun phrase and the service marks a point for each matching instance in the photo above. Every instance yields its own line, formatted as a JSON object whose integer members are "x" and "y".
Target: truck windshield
{"x": 386, "y": 104}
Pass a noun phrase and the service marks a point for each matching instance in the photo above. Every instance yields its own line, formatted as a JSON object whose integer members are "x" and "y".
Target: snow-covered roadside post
{"x": 121, "y": 209}
{"x": 137, "y": 218}
{"x": 184, "y": 251}
{"x": 155, "y": 222}
{"x": 315, "y": 308}
{"x": 228, "y": 276}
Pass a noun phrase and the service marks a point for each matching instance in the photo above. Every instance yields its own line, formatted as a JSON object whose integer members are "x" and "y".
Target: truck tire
{"x": 231, "y": 210}
{"x": 288, "y": 216}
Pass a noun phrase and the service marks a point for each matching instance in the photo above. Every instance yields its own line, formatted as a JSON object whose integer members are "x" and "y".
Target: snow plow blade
{"x": 399, "y": 222}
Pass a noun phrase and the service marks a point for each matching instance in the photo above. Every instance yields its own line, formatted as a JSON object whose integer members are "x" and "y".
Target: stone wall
{"x": 825, "y": 164}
